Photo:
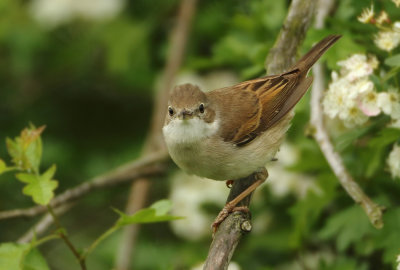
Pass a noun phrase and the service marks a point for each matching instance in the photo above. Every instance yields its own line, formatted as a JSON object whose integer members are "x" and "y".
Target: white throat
{"x": 188, "y": 131}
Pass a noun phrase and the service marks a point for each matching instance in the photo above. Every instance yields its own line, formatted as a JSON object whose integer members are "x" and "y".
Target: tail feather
{"x": 309, "y": 59}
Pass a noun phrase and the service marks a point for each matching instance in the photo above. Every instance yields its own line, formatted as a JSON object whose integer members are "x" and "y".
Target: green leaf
{"x": 39, "y": 187}
{"x": 3, "y": 166}
{"x": 306, "y": 211}
{"x": 162, "y": 207}
{"x": 26, "y": 150}
{"x": 21, "y": 257}
{"x": 385, "y": 137}
{"x": 348, "y": 226}
{"x": 157, "y": 212}
{"x": 35, "y": 261}
{"x": 346, "y": 139}
{"x": 393, "y": 61}
{"x": 388, "y": 237}
{"x": 12, "y": 255}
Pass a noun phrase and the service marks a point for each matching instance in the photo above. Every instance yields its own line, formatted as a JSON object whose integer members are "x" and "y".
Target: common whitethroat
{"x": 232, "y": 132}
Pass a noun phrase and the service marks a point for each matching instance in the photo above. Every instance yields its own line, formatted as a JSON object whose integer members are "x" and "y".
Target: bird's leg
{"x": 229, "y": 183}
{"x": 230, "y": 207}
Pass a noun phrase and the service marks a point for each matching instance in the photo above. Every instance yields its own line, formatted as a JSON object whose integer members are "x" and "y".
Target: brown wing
{"x": 251, "y": 107}
{"x": 257, "y": 105}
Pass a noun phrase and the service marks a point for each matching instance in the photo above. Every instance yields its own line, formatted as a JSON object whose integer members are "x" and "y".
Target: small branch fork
{"x": 150, "y": 165}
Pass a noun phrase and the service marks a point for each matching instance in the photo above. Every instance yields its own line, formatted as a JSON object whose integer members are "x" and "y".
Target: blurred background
{"x": 88, "y": 70}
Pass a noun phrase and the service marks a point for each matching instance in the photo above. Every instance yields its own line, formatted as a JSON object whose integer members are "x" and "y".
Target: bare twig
{"x": 281, "y": 56}
{"x": 150, "y": 165}
{"x": 61, "y": 232}
{"x": 41, "y": 226}
{"x": 154, "y": 141}
{"x": 373, "y": 211}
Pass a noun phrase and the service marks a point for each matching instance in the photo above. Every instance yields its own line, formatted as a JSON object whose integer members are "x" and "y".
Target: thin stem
{"x": 45, "y": 239}
{"x": 65, "y": 238}
{"x": 98, "y": 240}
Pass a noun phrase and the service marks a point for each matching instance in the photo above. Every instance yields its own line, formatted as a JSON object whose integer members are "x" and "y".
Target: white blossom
{"x": 387, "y": 40}
{"x": 357, "y": 66}
{"x": 393, "y": 161}
{"x": 51, "y": 13}
{"x": 389, "y": 102}
{"x": 283, "y": 182}
{"x": 367, "y": 15}
{"x": 383, "y": 18}
{"x": 396, "y": 26}
{"x": 369, "y": 104}
{"x": 338, "y": 97}
{"x": 353, "y": 116}
{"x": 395, "y": 123}
{"x": 188, "y": 194}
{"x": 396, "y": 2}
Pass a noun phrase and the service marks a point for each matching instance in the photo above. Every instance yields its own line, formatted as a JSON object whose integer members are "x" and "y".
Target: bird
{"x": 232, "y": 132}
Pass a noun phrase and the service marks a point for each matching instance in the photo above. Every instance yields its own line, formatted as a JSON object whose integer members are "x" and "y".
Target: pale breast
{"x": 211, "y": 157}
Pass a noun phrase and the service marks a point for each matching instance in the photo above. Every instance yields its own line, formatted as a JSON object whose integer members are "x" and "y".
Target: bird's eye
{"x": 170, "y": 111}
{"x": 201, "y": 108}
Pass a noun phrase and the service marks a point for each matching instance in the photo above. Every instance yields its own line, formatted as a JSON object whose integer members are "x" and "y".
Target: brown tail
{"x": 309, "y": 59}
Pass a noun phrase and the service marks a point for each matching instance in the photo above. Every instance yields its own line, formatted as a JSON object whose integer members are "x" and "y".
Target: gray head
{"x": 187, "y": 101}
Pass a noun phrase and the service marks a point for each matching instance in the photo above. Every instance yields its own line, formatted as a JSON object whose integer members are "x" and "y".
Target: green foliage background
{"x": 92, "y": 84}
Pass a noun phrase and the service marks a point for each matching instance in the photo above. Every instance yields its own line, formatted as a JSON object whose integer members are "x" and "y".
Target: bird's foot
{"x": 260, "y": 176}
{"x": 229, "y": 183}
{"x": 228, "y": 208}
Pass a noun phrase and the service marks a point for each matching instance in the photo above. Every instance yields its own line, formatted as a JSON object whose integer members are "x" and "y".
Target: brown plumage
{"x": 258, "y": 104}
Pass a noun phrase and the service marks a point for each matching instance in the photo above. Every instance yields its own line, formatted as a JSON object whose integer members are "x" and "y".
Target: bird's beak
{"x": 185, "y": 114}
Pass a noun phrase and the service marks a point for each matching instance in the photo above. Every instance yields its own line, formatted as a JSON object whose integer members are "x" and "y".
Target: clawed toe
{"x": 223, "y": 214}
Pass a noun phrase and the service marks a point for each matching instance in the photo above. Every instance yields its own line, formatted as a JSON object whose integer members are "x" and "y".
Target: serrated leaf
{"x": 34, "y": 261}
{"x": 385, "y": 137}
{"x": 26, "y": 150}
{"x": 306, "y": 211}
{"x": 12, "y": 255}
{"x": 393, "y": 61}
{"x": 157, "y": 212}
{"x": 15, "y": 256}
{"x": 388, "y": 238}
{"x": 39, "y": 187}
{"x": 348, "y": 226}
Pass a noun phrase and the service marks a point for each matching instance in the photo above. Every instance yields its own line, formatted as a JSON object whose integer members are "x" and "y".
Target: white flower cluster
{"x": 388, "y": 39}
{"x": 393, "y": 162}
{"x": 188, "y": 194}
{"x": 351, "y": 96}
{"x": 51, "y": 13}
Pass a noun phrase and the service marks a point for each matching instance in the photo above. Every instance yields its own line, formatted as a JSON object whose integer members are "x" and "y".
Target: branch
{"x": 41, "y": 226}
{"x": 280, "y": 57}
{"x": 373, "y": 211}
{"x": 62, "y": 233}
{"x": 150, "y": 165}
{"x": 154, "y": 141}
{"x": 284, "y": 53}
